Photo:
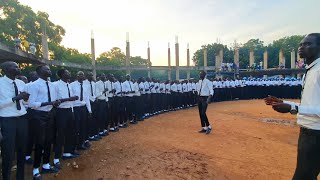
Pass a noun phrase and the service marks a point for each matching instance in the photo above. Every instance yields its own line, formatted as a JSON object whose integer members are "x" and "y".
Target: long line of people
{"x": 69, "y": 116}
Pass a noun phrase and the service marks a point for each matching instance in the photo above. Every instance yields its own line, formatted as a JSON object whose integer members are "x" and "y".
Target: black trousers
{"x": 120, "y": 110}
{"x": 65, "y": 134}
{"x": 102, "y": 118}
{"x": 30, "y": 142}
{"x": 308, "y": 159}
{"x": 93, "y": 122}
{"x": 43, "y": 129}
{"x": 129, "y": 103}
{"x": 112, "y": 112}
{"x": 81, "y": 121}
{"x": 15, "y": 134}
{"x": 202, "y": 106}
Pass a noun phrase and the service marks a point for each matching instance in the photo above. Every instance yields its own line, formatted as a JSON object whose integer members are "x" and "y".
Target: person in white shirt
{"x": 205, "y": 92}
{"x": 179, "y": 95}
{"x": 42, "y": 100}
{"x": 162, "y": 97}
{"x": 33, "y": 76}
{"x": 174, "y": 92}
{"x": 93, "y": 122}
{"x": 82, "y": 110}
{"x": 14, "y": 125}
{"x": 143, "y": 99}
{"x": 120, "y": 104}
{"x": 308, "y": 157}
{"x": 113, "y": 104}
{"x": 137, "y": 101}
{"x": 128, "y": 99}
{"x": 64, "y": 119}
{"x": 102, "y": 96}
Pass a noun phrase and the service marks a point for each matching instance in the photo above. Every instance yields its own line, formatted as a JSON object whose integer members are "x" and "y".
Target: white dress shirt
{"x": 109, "y": 85}
{"x": 204, "y": 88}
{"x": 184, "y": 87}
{"x": 309, "y": 108}
{"x": 147, "y": 87}
{"x": 153, "y": 89}
{"x": 168, "y": 88}
{"x": 118, "y": 88}
{"x": 174, "y": 87}
{"x": 100, "y": 87}
{"x": 163, "y": 88}
{"x": 62, "y": 91}
{"x": 179, "y": 88}
{"x": 189, "y": 87}
{"x": 142, "y": 88}
{"x": 76, "y": 90}
{"x": 39, "y": 94}
{"x": 8, "y": 108}
{"x": 136, "y": 89}
{"x": 92, "y": 88}
{"x": 128, "y": 87}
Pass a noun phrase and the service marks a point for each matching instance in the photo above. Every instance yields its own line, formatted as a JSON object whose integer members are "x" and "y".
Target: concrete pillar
{"x": 169, "y": 62}
{"x": 218, "y": 64}
{"x": 188, "y": 62}
{"x": 221, "y": 56}
{"x": 177, "y": 59}
{"x": 265, "y": 62}
{"x": 205, "y": 59}
{"x": 251, "y": 57}
{"x": 93, "y": 57}
{"x": 236, "y": 58}
{"x": 281, "y": 58}
{"x": 293, "y": 59}
{"x": 44, "y": 42}
{"x": 149, "y": 62}
{"x": 127, "y": 54}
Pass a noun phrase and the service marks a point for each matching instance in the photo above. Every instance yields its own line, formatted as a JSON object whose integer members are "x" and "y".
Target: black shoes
{"x": 57, "y": 166}
{"x": 51, "y": 170}
{"x": 202, "y": 131}
{"x": 37, "y": 177}
{"x": 208, "y": 130}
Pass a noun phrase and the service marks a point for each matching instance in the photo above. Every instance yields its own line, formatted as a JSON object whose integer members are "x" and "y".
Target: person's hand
{"x": 74, "y": 98}
{"x": 281, "y": 107}
{"x": 270, "y": 100}
{"x": 56, "y": 103}
{"x": 22, "y": 95}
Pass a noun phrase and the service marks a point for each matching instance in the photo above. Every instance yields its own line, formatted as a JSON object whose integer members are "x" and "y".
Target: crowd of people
{"x": 37, "y": 114}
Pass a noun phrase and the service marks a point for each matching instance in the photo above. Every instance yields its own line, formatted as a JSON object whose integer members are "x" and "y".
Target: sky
{"x": 158, "y": 22}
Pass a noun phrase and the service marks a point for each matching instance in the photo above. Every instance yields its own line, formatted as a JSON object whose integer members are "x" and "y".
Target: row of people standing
{"x": 38, "y": 115}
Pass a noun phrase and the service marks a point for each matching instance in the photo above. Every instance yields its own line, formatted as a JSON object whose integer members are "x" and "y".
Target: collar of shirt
{"x": 315, "y": 62}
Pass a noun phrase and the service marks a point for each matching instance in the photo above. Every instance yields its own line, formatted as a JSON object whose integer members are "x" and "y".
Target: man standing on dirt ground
{"x": 205, "y": 92}
{"x": 308, "y": 158}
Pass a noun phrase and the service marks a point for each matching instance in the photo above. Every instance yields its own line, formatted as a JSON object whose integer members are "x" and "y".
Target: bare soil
{"x": 243, "y": 145}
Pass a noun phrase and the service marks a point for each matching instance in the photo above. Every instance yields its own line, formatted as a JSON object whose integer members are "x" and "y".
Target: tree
{"x": 19, "y": 20}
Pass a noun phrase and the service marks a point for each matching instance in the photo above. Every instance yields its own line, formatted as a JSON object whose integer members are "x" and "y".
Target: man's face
{"x": 308, "y": 48}
{"x": 80, "y": 76}
{"x": 66, "y": 75}
{"x": 33, "y": 76}
{"x": 14, "y": 69}
{"x": 201, "y": 75}
{"x": 103, "y": 77}
{"x": 90, "y": 76}
{"x": 128, "y": 78}
{"x": 45, "y": 71}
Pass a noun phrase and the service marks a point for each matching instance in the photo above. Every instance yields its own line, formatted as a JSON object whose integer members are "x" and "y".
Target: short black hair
{"x": 317, "y": 36}
{"x": 6, "y": 65}
{"x": 38, "y": 69}
{"x": 203, "y": 72}
{"x": 60, "y": 72}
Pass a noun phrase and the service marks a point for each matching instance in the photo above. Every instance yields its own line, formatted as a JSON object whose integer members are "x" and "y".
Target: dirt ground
{"x": 246, "y": 143}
